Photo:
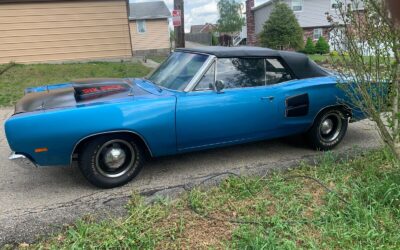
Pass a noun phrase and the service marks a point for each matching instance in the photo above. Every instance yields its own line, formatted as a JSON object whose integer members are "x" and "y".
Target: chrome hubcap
{"x": 327, "y": 126}
{"x": 114, "y": 158}
{"x": 331, "y": 127}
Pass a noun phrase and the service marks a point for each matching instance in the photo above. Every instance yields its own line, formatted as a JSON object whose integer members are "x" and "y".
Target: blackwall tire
{"x": 328, "y": 130}
{"x": 111, "y": 161}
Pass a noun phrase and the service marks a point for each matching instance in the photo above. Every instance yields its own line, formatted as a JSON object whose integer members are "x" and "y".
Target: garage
{"x": 33, "y": 31}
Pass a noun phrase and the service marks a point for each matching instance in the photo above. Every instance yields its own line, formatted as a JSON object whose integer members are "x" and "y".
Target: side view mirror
{"x": 219, "y": 85}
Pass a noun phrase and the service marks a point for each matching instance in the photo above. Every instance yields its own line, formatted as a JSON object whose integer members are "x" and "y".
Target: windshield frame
{"x": 199, "y": 74}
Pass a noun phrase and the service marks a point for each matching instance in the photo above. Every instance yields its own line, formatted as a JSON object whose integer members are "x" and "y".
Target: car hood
{"x": 83, "y": 92}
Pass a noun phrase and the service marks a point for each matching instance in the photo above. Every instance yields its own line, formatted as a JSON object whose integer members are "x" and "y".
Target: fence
{"x": 203, "y": 38}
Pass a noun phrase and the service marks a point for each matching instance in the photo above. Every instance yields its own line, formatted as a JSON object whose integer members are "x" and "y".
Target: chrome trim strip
{"x": 21, "y": 160}
{"x": 192, "y": 84}
{"x": 14, "y": 156}
{"x": 110, "y": 132}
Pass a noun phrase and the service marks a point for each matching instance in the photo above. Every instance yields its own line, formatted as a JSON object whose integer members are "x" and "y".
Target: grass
{"x": 285, "y": 213}
{"x": 158, "y": 59}
{"x": 14, "y": 80}
{"x": 320, "y": 58}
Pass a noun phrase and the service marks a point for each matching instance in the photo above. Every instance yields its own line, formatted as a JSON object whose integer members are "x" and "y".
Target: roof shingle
{"x": 148, "y": 10}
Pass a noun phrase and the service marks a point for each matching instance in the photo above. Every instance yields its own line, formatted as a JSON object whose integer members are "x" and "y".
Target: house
{"x": 203, "y": 28}
{"x": 311, "y": 15}
{"x": 62, "y": 30}
{"x": 149, "y": 28}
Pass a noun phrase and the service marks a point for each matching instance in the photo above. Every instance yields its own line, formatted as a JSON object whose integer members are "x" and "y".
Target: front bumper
{"x": 21, "y": 160}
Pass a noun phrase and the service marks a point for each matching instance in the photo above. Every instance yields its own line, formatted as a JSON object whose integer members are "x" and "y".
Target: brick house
{"x": 311, "y": 15}
{"x": 203, "y": 28}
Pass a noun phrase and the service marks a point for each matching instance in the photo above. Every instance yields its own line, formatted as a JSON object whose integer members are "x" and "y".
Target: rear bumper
{"x": 21, "y": 160}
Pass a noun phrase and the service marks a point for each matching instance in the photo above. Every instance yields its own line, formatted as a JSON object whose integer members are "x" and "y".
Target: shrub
{"x": 282, "y": 29}
{"x": 334, "y": 53}
{"x": 310, "y": 47}
{"x": 322, "y": 46}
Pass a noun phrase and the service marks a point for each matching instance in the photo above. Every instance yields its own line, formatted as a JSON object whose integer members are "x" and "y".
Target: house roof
{"x": 196, "y": 28}
{"x": 263, "y": 5}
{"x": 148, "y": 10}
{"x": 200, "y": 27}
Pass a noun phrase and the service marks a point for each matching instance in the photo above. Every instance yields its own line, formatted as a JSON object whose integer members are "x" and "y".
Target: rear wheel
{"x": 111, "y": 161}
{"x": 328, "y": 130}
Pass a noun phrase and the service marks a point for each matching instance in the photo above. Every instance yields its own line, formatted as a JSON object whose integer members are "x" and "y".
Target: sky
{"x": 198, "y": 11}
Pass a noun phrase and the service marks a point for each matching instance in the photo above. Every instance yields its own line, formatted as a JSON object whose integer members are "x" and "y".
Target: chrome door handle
{"x": 269, "y": 98}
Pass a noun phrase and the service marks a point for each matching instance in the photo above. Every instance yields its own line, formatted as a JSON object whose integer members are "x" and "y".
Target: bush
{"x": 334, "y": 53}
{"x": 322, "y": 46}
{"x": 282, "y": 29}
{"x": 309, "y": 48}
{"x": 214, "y": 39}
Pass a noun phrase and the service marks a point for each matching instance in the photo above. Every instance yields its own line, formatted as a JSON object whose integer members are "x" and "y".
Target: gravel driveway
{"x": 38, "y": 201}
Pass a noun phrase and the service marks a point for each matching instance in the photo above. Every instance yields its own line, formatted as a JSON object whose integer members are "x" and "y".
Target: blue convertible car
{"x": 197, "y": 99}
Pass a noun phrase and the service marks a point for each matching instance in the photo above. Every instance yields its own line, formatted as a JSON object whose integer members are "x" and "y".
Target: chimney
{"x": 251, "y": 25}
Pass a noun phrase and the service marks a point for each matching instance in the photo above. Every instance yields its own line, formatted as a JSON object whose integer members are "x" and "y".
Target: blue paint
{"x": 171, "y": 122}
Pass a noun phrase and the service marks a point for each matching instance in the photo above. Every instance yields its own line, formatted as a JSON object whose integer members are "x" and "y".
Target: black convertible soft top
{"x": 300, "y": 64}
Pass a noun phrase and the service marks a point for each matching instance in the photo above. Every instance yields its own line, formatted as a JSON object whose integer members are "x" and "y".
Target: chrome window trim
{"x": 196, "y": 79}
{"x": 214, "y": 63}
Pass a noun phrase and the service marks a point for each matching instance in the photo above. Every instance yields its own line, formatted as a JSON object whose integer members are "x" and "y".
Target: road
{"x": 40, "y": 201}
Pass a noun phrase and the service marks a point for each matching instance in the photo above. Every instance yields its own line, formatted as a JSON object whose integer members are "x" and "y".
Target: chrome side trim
{"x": 192, "y": 84}
{"x": 109, "y": 132}
{"x": 14, "y": 156}
{"x": 22, "y": 161}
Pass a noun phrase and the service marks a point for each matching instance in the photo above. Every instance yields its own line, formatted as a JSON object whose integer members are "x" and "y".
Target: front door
{"x": 244, "y": 110}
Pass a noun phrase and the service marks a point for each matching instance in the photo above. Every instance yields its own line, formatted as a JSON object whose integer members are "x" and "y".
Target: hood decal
{"x": 93, "y": 91}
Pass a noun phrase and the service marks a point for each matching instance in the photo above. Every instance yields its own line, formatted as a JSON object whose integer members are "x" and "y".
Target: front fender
{"x": 60, "y": 130}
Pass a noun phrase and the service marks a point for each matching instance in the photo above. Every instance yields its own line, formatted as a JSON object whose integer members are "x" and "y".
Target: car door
{"x": 243, "y": 111}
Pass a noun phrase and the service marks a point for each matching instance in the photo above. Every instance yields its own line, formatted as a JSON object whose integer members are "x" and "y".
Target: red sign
{"x": 176, "y": 18}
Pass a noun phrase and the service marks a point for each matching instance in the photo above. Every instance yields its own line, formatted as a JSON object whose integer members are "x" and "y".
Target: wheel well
{"x": 137, "y": 138}
{"x": 342, "y": 107}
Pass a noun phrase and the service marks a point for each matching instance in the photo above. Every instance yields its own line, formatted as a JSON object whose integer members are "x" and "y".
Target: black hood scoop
{"x": 78, "y": 92}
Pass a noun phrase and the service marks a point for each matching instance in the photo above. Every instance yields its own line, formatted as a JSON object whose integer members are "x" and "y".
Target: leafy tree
{"x": 322, "y": 46}
{"x": 282, "y": 29}
{"x": 214, "y": 39}
{"x": 230, "y": 19}
{"x": 309, "y": 48}
{"x": 369, "y": 49}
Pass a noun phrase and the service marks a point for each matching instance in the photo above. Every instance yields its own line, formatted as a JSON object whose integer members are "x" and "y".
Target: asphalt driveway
{"x": 38, "y": 201}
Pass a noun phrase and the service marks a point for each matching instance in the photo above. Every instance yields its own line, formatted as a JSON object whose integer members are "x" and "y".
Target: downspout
{"x": 129, "y": 27}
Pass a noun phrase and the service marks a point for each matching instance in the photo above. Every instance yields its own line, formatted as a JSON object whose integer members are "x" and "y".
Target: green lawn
{"x": 282, "y": 211}
{"x": 158, "y": 59}
{"x": 320, "y": 58}
{"x": 17, "y": 78}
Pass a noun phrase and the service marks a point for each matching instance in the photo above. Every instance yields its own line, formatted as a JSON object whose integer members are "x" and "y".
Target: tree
{"x": 369, "y": 45}
{"x": 230, "y": 19}
{"x": 309, "y": 48}
{"x": 322, "y": 46}
{"x": 282, "y": 29}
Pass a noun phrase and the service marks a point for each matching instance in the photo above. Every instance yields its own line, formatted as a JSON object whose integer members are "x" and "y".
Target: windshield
{"x": 178, "y": 70}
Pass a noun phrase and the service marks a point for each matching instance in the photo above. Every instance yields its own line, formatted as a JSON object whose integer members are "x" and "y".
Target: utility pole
{"x": 180, "y": 30}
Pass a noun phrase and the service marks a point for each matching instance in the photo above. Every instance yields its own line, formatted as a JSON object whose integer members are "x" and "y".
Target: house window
{"x": 317, "y": 34}
{"x": 141, "y": 26}
{"x": 335, "y": 4}
{"x": 297, "y": 5}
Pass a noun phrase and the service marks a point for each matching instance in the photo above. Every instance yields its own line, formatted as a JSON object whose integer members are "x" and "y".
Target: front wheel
{"x": 110, "y": 161}
{"x": 328, "y": 130}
